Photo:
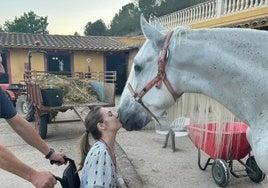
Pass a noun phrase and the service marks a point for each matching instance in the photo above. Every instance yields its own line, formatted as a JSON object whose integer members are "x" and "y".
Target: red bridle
{"x": 158, "y": 79}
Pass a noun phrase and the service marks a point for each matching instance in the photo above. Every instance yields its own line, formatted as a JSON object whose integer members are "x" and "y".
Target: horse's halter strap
{"x": 157, "y": 80}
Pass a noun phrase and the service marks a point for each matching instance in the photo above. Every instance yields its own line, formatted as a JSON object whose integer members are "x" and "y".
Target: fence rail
{"x": 208, "y": 10}
{"x": 106, "y": 76}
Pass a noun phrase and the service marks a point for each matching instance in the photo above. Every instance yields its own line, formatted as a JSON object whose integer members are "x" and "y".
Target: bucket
{"x": 52, "y": 97}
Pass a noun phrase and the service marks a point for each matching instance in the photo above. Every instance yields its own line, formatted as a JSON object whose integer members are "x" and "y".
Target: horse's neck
{"x": 227, "y": 65}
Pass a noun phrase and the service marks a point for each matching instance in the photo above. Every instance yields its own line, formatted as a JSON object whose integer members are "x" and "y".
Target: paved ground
{"x": 141, "y": 158}
{"x": 62, "y": 137}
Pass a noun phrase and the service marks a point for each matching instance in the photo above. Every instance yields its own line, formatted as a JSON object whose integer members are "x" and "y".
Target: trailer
{"x": 102, "y": 82}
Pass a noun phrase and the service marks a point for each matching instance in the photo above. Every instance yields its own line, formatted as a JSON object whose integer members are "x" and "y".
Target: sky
{"x": 65, "y": 17}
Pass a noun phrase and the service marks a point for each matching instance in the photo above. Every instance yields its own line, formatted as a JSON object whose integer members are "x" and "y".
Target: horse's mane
{"x": 178, "y": 31}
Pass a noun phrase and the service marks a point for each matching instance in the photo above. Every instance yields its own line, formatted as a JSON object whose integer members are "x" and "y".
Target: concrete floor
{"x": 154, "y": 166}
{"x": 61, "y": 136}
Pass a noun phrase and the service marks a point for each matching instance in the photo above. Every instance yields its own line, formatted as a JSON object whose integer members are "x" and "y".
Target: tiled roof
{"x": 134, "y": 42}
{"x": 64, "y": 42}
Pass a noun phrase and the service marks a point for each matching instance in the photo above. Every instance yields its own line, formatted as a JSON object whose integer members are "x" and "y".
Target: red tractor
{"x": 17, "y": 94}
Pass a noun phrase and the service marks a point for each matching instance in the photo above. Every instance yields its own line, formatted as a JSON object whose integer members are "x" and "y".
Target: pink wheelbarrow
{"x": 223, "y": 147}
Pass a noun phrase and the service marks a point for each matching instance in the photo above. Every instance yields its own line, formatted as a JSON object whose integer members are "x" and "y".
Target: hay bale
{"x": 76, "y": 91}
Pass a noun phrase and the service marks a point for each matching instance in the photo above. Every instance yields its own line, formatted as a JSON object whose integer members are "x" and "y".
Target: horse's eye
{"x": 137, "y": 68}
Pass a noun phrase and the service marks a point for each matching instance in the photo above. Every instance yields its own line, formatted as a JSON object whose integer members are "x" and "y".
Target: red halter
{"x": 157, "y": 80}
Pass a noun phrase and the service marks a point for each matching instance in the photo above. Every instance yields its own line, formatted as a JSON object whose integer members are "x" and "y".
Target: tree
{"x": 126, "y": 21}
{"x": 28, "y": 23}
{"x": 76, "y": 34}
{"x": 162, "y": 7}
{"x": 98, "y": 28}
{"x": 169, "y": 6}
{"x": 1, "y": 29}
{"x": 147, "y": 7}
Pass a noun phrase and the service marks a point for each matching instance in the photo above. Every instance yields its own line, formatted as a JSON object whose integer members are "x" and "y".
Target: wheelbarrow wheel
{"x": 254, "y": 172}
{"x": 220, "y": 172}
{"x": 43, "y": 120}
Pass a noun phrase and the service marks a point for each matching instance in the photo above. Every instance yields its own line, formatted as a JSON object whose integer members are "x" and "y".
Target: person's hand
{"x": 43, "y": 180}
{"x": 58, "y": 158}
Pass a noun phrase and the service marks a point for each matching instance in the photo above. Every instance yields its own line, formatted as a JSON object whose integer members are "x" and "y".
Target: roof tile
{"x": 66, "y": 42}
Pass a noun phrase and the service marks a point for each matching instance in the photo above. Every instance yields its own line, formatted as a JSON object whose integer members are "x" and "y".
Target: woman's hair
{"x": 92, "y": 119}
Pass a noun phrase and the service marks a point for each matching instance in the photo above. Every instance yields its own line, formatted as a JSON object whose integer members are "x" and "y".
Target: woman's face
{"x": 111, "y": 119}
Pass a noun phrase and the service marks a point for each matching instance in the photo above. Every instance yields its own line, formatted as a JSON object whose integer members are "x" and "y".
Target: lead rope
{"x": 138, "y": 99}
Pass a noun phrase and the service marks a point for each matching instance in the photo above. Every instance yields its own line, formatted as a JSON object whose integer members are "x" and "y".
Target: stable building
{"x": 66, "y": 53}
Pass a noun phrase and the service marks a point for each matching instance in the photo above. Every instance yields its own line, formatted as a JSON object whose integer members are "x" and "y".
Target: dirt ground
{"x": 140, "y": 157}
{"x": 161, "y": 167}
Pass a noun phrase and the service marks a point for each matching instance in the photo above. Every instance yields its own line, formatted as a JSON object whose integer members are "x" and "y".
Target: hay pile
{"x": 76, "y": 91}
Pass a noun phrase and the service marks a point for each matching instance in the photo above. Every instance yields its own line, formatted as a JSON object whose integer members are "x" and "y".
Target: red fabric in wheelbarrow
{"x": 229, "y": 144}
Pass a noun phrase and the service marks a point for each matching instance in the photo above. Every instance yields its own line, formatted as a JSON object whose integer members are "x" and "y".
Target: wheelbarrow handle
{"x": 64, "y": 157}
{"x": 57, "y": 178}
{"x": 62, "y": 182}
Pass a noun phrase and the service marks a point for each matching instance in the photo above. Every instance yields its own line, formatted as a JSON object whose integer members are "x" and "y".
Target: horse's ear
{"x": 159, "y": 26}
{"x": 150, "y": 32}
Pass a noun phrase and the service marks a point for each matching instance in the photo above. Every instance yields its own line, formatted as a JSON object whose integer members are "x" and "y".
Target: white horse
{"x": 227, "y": 64}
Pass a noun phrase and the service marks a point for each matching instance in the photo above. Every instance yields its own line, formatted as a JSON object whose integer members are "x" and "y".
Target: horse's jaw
{"x": 258, "y": 140}
{"x": 132, "y": 115}
{"x": 135, "y": 116}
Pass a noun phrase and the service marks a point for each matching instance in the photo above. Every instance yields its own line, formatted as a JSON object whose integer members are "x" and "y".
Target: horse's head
{"x": 147, "y": 86}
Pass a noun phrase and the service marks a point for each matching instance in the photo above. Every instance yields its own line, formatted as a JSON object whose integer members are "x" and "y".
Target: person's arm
{"x": 29, "y": 134}
{"x": 12, "y": 164}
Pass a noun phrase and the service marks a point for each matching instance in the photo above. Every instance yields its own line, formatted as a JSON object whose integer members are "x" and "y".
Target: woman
{"x": 98, "y": 163}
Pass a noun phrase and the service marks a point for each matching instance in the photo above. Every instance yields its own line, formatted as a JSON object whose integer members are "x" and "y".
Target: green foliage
{"x": 169, "y": 6}
{"x": 162, "y": 7}
{"x": 76, "y": 34}
{"x": 147, "y": 7}
{"x": 98, "y": 28}
{"x": 28, "y": 23}
{"x": 126, "y": 21}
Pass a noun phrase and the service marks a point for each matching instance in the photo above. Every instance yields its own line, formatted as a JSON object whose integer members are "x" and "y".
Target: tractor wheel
{"x": 24, "y": 108}
{"x": 43, "y": 121}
